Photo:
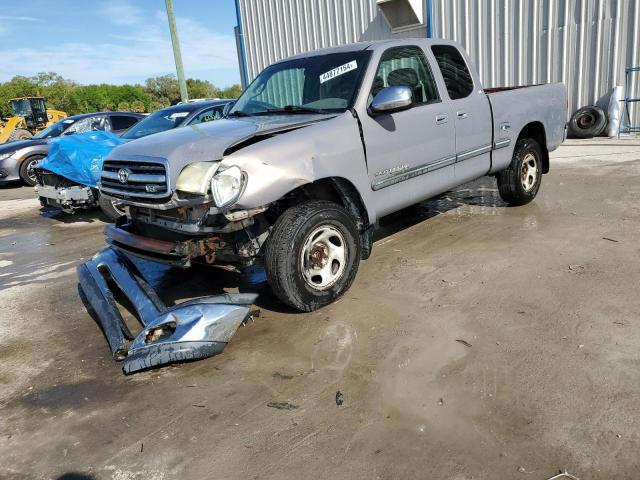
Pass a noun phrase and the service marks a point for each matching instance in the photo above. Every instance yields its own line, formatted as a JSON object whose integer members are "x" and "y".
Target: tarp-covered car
{"x": 18, "y": 159}
{"x": 68, "y": 178}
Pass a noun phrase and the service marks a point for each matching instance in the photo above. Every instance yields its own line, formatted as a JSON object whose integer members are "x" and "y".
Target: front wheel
{"x": 28, "y": 171}
{"x": 519, "y": 184}
{"x": 312, "y": 255}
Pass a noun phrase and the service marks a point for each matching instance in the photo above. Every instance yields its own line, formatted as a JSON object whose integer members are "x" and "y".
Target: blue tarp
{"x": 79, "y": 157}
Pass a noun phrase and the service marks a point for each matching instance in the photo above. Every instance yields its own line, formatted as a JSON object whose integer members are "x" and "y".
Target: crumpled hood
{"x": 207, "y": 141}
{"x": 15, "y": 146}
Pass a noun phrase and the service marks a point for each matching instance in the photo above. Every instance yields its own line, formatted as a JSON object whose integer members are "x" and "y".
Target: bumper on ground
{"x": 194, "y": 329}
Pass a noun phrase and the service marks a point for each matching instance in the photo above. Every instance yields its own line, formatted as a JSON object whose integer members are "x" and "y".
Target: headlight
{"x": 5, "y": 155}
{"x": 226, "y": 186}
{"x": 195, "y": 178}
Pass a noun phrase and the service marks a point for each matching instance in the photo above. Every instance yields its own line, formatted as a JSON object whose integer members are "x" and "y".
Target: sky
{"x": 117, "y": 41}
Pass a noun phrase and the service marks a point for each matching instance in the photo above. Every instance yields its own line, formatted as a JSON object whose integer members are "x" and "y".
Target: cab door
{"x": 410, "y": 153}
{"x": 471, "y": 114}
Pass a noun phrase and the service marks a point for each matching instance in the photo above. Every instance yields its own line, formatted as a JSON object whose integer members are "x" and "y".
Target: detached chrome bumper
{"x": 195, "y": 329}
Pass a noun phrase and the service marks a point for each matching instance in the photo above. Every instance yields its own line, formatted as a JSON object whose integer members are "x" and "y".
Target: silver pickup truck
{"x": 316, "y": 150}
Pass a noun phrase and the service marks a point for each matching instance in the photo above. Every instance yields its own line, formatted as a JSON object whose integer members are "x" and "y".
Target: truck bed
{"x": 515, "y": 107}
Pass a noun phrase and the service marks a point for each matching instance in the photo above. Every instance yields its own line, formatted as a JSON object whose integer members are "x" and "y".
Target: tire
{"x": 291, "y": 249}
{"x": 520, "y": 182}
{"x": 587, "y": 122}
{"x": 108, "y": 208}
{"x": 27, "y": 174}
{"x": 19, "y": 134}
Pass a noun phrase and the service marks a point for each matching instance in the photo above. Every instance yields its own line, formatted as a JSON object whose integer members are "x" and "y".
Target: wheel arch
{"x": 537, "y": 131}
{"x": 343, "y": 192}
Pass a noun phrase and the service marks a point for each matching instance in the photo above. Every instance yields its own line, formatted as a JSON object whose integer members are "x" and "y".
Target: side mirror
{"x": 227, "y": 108}
{"x": 71, "y": 132}
{"x": 392, "y": 99}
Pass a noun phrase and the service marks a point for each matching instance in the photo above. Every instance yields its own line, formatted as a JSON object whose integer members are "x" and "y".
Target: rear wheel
{"x": 27, "y": 170}
{"x": 519, "y": 184}
{"x": 20, "y": 134}
{"x": 312, "y": 255}
{"x": 110, "y": 208}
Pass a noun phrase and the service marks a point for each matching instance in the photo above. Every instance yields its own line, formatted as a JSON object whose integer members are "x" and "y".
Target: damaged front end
{"x": 192, "y": 330}
{"x": 56, "y": 191}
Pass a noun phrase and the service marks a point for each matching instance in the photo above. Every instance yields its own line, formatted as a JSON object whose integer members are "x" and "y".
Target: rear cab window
{"x": 406, "y": 66}
{"x": 454, "y": 70}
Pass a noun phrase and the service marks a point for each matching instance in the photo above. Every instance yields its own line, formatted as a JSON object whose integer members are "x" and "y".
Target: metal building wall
{"x": 584, "y": 43}
{"x": 275, "y": 29}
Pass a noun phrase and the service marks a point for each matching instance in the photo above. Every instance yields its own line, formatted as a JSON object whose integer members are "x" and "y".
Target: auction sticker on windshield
{"x": 336, "y": 72}
{"x": 175, "y": 115}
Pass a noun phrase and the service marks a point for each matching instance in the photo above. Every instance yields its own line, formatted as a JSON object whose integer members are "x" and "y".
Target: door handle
{"x": 462, "y": 115}
{"x": 441, "y": 118}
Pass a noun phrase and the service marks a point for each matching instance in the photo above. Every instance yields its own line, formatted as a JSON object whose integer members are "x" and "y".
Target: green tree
{"x": 57, "y": 90}
{"x": 67, "y": 95}
{"x": 123, "y": 107}
{"x": 158, "y": 104}
{"x": 165, "y": 86}
{"x": 201, "y": 89}
{"x": 233, "y": 91}
{"x": 137, "y": 106}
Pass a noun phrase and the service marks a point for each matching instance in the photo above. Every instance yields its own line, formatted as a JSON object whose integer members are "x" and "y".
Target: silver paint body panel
{"x": 423, "y": 154}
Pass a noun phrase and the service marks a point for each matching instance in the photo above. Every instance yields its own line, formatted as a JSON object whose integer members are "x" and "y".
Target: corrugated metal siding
{"x": 584, "y": 43}
{"x": 275, "y": 29}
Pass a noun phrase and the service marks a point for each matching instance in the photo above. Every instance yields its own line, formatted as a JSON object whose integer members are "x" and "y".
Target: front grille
{"x": 134, "y": 179}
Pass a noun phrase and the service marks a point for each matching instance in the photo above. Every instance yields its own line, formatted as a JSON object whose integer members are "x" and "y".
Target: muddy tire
{"x": 312, "y": 255}
{"x": 19, "y": 134}
{"x": 27, "y": 172}
{"x": 109, "y": 209}
{"x": 519, "y": 184}
{"x": 587, "y": 122}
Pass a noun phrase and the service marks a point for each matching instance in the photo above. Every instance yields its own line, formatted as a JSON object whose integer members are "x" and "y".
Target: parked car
{"x": 316, "y": 150}
{"x": 69, "y": 181}
{"x": 18, "y": 158}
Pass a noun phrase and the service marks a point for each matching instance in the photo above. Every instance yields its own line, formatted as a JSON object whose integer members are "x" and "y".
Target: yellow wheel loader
{"x": 30, "y": 116}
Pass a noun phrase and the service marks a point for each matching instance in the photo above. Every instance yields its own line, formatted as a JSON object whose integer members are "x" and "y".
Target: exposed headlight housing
{"x": 4, "y": 156}
{"x": 195, "y": 177}
{"x": 227, "y": 186}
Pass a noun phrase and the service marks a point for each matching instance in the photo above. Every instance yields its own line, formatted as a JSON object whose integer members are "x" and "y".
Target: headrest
{"x": 403, "y": 76}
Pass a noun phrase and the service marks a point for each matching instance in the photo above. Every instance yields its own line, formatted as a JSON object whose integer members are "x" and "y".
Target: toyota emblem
{"x": 123, "y": 175}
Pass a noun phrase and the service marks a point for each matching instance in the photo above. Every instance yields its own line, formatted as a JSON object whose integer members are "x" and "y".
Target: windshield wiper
{"x": 239, "y": 113}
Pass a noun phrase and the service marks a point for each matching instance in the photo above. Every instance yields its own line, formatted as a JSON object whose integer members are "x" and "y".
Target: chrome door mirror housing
{"x": 392, "y": 99}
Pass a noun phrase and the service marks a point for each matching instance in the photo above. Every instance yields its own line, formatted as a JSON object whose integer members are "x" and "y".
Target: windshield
{"x": 322, "y": 84}
{"x": 56, "y": 129}
{"x": 157, "y": 122}
{"x": 21, "y": 107}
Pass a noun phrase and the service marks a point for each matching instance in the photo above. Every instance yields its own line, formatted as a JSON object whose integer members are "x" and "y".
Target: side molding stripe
{"x": 430, "y": 167}
{"x": 502, "y": 144}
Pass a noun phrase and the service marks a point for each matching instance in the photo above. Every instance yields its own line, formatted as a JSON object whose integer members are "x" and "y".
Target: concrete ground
{"x": 478, "y": 342}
